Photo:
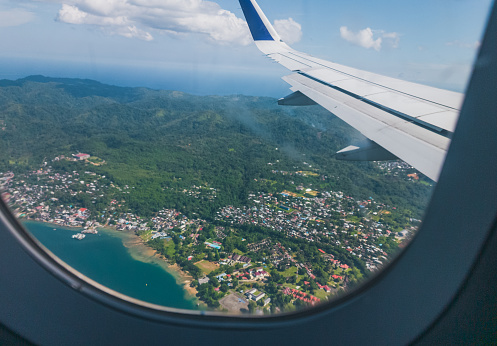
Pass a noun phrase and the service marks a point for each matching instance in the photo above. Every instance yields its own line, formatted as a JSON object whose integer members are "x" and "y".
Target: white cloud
{"x": 72, "y": 15}
{"x": 363, "y": 38}
{"x": 367, "y": 38}
{"x": 15, "y": 17}
{"x": 392, "y": 38}
{"x": 289, "y": 30}
{"x": 139, "y": 18}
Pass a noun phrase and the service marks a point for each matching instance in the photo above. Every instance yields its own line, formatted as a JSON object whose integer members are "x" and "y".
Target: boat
{"x": 78, "y": 236}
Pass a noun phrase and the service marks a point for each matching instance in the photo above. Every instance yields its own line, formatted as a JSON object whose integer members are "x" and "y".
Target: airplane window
{"x": 144, "y": 144}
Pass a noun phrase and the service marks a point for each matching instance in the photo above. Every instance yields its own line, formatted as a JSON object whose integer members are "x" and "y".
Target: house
{"x": 220, "y": 277}
{"x": 83, "y": 212}
{"x": 261, "y": 274}
{"x": 203, "y": 280}
{"x": 242, "y": 259}
{"x": 81, "y": 156}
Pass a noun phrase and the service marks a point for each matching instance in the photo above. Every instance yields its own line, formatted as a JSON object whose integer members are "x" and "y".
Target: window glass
{"x": 143, "y": 145}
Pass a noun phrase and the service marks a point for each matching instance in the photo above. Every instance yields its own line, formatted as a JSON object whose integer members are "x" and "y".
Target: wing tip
{"x": 260, "y": 27}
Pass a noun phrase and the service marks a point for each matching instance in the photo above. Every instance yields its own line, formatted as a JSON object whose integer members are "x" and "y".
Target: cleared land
{"x": 207, "y": 266}
{"x": 235, "y": 303}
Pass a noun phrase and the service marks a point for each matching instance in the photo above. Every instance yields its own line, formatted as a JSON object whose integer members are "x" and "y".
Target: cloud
{"x": 15, "y": 17}
{"x": 363, "y": 38}
{"x": 289, "y": 30}
{"x": 459, "y": 44}
{"x": 368, "y": 38}
{"x": 392, "y": 38}
{"x": 141, "y": 18}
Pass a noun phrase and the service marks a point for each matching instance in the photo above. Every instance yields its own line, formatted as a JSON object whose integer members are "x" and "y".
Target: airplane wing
{"x": 401, "y": 119}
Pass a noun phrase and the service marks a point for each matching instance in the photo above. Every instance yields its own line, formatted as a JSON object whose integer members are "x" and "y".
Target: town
{"x": 278, "y": 252}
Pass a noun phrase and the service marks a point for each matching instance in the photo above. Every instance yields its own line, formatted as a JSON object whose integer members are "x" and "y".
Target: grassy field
{"x": 321, "y": 294}
{"x": 206, "y": 266}
{"x": 290, "y": 271}
{"x": 146, "y": 236}
{"x": 170, "y": 248}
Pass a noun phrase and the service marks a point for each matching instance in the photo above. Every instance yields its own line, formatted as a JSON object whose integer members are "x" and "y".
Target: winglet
{"x": 259, "y": 25}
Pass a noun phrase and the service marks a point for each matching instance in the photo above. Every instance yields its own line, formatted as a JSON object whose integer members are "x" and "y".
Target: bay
{"x": 104, "y": 258}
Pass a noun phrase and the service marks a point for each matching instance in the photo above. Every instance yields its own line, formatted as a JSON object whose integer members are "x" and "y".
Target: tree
{"x": 271, "y": 288}
{"x": 214, "y": 281}
{"x": 292, "y": 279}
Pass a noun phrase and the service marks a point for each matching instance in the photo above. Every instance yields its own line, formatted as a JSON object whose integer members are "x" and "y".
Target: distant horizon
{"x": 195, "y": 82}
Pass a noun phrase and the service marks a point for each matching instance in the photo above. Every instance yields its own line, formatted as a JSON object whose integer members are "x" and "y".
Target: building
{"x": 220, "y": 277}
{"x": 242, "y": 259}
{"x": 250, "y": 292}
{"x": 203, "y": 280}
{"x": 83, "y": 213}
{"x": 259, "y": 296}
{"x": 81, "y": 156}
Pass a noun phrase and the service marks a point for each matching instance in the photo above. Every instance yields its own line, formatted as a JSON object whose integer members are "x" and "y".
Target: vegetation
{"x": 162, "y": 142}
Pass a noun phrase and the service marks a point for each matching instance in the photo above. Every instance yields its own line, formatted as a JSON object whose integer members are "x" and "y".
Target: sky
{"x": 204, "y": 47}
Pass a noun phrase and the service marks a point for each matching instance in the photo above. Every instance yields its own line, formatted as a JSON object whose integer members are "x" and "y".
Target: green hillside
{"x": 161, "y": 142}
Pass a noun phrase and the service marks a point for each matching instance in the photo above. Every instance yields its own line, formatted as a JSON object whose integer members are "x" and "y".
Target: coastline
{"x": 56, "y": 225}
{"x": 139, "y": 251}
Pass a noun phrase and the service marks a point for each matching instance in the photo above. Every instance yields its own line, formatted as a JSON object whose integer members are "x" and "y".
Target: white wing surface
{"x": 401, "y": 119}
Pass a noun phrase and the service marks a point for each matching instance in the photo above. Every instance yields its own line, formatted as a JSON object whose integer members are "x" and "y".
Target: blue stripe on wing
{"x": 256, "y": 25}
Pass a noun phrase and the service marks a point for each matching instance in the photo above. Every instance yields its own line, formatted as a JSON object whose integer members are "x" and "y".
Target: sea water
{"x": 104, "y": 258}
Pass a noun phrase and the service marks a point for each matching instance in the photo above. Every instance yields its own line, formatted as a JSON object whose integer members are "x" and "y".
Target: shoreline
{"x": 140, "y": 251}
{"x": 134, "y": 241}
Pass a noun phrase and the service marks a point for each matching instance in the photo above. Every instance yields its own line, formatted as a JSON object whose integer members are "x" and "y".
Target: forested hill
{"x": 161, "y": 142}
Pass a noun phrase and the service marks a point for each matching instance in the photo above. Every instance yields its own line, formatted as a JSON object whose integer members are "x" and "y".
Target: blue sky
{"x": 203, "y": 47}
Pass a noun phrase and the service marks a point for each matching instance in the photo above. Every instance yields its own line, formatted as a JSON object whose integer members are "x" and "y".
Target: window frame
{"x": 47, "y": 302}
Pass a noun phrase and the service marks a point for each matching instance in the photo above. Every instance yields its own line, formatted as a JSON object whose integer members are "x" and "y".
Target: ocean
{"x": 104, "y": 258}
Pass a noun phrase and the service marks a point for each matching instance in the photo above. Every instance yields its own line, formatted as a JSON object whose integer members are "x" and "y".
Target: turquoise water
{"x": 103, "y": 258}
